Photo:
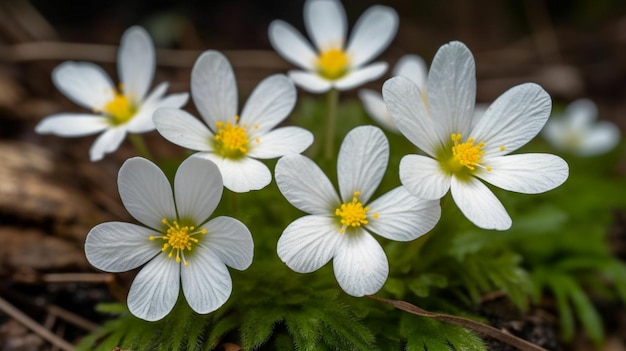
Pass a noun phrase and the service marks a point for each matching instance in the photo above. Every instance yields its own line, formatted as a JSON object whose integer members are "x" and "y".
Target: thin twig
{"x": 71, "y": 318}
{"x": 51, "y": 50}
{"x": 104, "y": 278}
{"x": 31, "y": 324}
{"x": 480, "y": 328}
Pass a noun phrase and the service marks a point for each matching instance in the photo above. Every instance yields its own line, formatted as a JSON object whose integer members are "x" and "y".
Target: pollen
{"x": 333, "y": 64}
{"x": 353, "y": 214}
{"x": 467, "y": 154}
{"x": 231, "y": 139}
{"x": 177, "y": 239}
{"x": 120, "y": 109}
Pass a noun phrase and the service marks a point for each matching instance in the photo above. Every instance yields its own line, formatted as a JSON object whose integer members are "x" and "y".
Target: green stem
{"x": 233, "y": 204}
{"x": 140, "y": 145}
{"x": 332, "y": 102}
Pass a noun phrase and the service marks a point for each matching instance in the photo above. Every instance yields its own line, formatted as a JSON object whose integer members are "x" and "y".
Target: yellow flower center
{"x": 353, "y": 214}
{"x": 178, "y": 239}
{"x": 465, "y": 156}
{"x": 231, "y": 139}
{"x": 333, "y": 64}
{"x": 120, "y": 110}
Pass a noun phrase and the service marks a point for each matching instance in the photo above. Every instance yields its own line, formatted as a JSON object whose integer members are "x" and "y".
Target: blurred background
{"x": 51, "y": 195}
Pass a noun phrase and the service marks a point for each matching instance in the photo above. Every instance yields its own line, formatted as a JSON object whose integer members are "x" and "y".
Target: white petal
{"x": 280, "y": 142}
{"x": 326, "y": 23}
{"x": 371, "y": 34}
{"x": 452, "y": 89}
{"x": 183, "y": 129}
{"x": 106, "y": 143}
{"x": 213, "y": 88}
{"x": 146, "y": 192}
{"x": 305, "y": 185}
{"x": 513, "y": 119}
{"x": 526, "y": 173}
{"x": 154, "y": 291}
{"x": 136, "y": 62}
{"x": 308, "y": 243}
{"x": 230, "y": 240}
{"x": 375, "y": 107}
{"x": 423, "y": 177}
{"x": 310, "y": 82}
{"x": 86, "y": 84}
{"x": 599, "y": 138}
{"x": 72, "y": 124}
{"x": 361, "y": 76}
{"x": 362, "y": 162}
{"x": 241, "y": 175}
{"x": 414, "y": 68}
{"x": 581, "y": 113}
{"x": 142, "y": 125}
{"x": 555, "y": 132}
{"x": 119, "y": 247}
{"x": 142, "y": 122}
{"x": 360, "y": 264}
{"x": 206, "y": 281}
{"x": 291, "y": 45}
{"x": 269, "y": 104}
{"x": 406, "y": 106}
{"x": 479, "y": 204}
{"x": 402, "y": 216}
{"x": 197, "y": 189}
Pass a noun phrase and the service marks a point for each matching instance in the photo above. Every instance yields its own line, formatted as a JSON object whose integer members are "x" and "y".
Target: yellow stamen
{"x": 353, "y": 214}
{"x": 467, "y": 154}
{"x": 120, "y": 109}
{"x": 333, "y": 64}
{"x": 231, "y": 139}
{"x": 178, "y": 239}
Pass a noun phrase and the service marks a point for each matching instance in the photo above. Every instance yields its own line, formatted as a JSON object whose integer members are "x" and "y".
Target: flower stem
{"x": 140, "y": 145}
{"x": 233, "y": 204}
{"x": 332, "y": 102}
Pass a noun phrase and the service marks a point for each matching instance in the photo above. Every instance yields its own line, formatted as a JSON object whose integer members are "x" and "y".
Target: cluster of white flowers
{"x": 179, "y": 245}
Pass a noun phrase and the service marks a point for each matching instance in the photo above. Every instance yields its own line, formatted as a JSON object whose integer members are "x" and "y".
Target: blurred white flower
{"x": 340, "y": 227}
{"x": 577, "y": 130}
{"x": 412, "y": 67}
{"x": 178, "y": 243}
{"x": 331, "y": 63}
{"x": 235, "y": 143}
{"x": 115, "y": 111}
{"x": 460, "y": 153}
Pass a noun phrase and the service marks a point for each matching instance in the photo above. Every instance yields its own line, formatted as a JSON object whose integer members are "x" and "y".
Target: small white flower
{"x": 459, "y": 152}
{"x": 412, "y": 67}
{"x": 339, "y": 227}
{"x": 115, "y": 111}
{"x": 233, "y": 142}
{"x": 578, "y": 132}
{"x": 178, "y": 243}
{"x": 332, "y": 63}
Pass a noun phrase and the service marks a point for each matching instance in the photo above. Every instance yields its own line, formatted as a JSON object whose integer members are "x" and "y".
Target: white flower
{"x": 234, "y": 142}
{"x": 178, "y": 243}
{"x": 114, "y": 111}
{"x": 332, "y": 63}
{"x": 412, "y": 67}
{"x": 578, "y": 132}
{"x": 339, "y": 227}
{"x": 459, "y": 153}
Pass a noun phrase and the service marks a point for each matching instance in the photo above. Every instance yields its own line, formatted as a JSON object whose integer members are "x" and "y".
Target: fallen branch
{"x": 480, "y": 328}
{"x": 31, "y": 324}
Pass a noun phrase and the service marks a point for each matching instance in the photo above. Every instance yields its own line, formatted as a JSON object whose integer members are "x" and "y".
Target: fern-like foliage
{"x": 302, "y": 317}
